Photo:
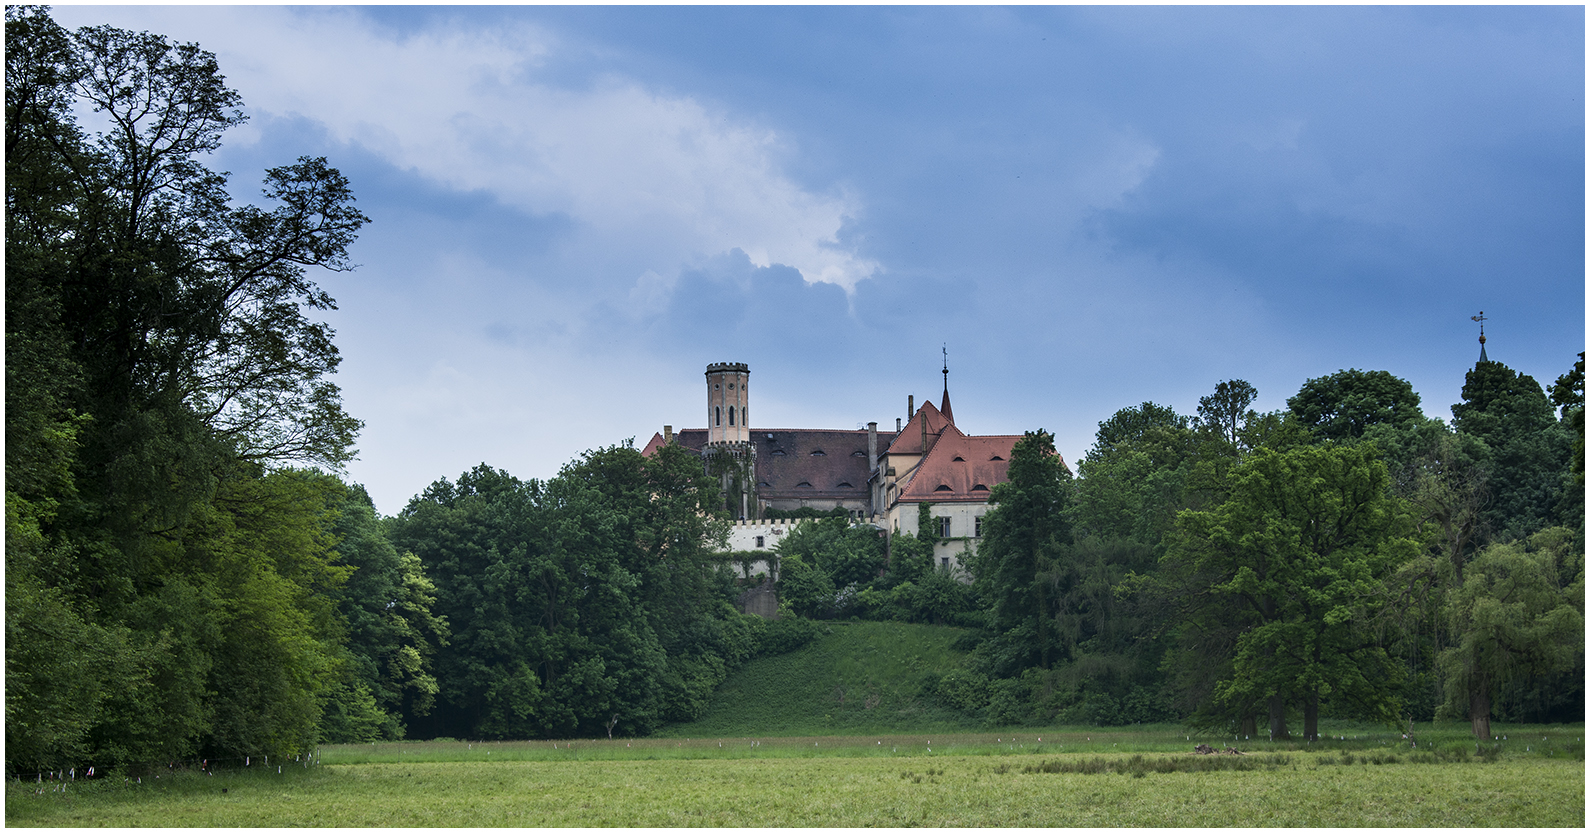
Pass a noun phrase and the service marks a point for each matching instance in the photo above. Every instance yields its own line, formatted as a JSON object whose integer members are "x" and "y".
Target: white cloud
{"x": 651, "y": 181}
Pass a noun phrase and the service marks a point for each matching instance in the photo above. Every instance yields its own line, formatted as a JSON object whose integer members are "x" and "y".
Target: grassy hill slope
{"x": 861, "y": 678}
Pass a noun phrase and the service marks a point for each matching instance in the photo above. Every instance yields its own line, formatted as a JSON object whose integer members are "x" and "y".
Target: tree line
{"x": 1347, "y": 556}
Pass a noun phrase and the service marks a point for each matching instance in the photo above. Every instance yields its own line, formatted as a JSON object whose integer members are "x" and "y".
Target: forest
{"x": 189, "y": 576}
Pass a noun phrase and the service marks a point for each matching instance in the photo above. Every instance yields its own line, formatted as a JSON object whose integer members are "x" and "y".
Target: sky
{"x": 576, "y": 209}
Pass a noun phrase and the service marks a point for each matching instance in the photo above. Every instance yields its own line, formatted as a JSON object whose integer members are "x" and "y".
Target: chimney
{"x": 872, "y": 447}
{"x": 897, "y": 425}
{"x": 910, "y": 405}
{"x": 668, "y": 434}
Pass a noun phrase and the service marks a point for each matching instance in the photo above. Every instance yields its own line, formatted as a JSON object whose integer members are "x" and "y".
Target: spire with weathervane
{"x": 1481, "y": 318}
{"x": 944, "y": 408}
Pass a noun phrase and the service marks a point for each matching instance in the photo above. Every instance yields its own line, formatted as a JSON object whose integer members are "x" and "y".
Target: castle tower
{"x": 727, "y": 402}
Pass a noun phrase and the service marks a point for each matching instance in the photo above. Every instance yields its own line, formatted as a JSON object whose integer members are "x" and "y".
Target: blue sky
{"x": 576, "y": 209}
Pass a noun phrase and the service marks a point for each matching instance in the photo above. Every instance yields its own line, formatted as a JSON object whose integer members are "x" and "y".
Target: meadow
{"x": 1077, "y": 776}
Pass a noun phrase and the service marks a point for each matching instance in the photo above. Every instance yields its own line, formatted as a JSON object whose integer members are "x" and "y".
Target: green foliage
{"x": 846, "y": 554}
{"x": 393, "y": 635}
{"x": 1343, "y": 405}
{"x": 596, "y": 595}
{"x": 161, "y": 376}
{"x": 805, "y": 587}
{"x": 1519, "y": 611}
{"x": 1294, "y": 560}
{"x": 1530, "y": 450}
{"x": 1223, "y": 414}
{"x": 1022, "y": 536}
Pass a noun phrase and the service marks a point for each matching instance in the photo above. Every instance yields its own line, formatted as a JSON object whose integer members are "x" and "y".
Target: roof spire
{"x": 945, "y": 407}
{"x": 1481, "y": 318}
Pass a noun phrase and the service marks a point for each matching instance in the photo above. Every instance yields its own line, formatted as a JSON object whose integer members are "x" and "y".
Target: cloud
{"x": 651, "y": 181}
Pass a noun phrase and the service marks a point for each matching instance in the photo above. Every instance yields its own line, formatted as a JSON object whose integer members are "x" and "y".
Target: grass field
{"x": 1363, "y": 778}
{"x": 837, "y": 734}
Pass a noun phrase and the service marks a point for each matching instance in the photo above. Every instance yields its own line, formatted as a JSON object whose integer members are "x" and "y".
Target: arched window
{"x": 731, "y": 414}
{"x": 719, "y": 417}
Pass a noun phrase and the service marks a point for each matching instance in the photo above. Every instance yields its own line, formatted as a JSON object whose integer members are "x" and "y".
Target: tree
{"x": 598, "y": 593}
{"x": 393, "y": 635}
{"x": 1568, "y": 394}
{"x": 1022, "y": 535}
{"x": 1529, "y": 449}
{"x": 1147, "y": 428}
{"x": 162, "y": 379}
{"x": 1519, "y": 612}
{"x": 1223, "y": 414}
{"x": 1343, "y": 405}
{"x": 1298, "y": 552}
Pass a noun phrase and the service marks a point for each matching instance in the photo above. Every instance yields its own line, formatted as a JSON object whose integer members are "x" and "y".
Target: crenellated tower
{"x": 727, "y": 402}
{"x": 729, "y": 452}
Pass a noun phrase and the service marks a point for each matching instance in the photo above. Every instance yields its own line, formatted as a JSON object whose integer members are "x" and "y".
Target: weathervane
{"x": 946, "y": 349}
{"x": 1481, "y": 318}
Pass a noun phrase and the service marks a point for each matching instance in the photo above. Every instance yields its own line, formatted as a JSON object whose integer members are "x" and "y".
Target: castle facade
{"x": 881, "y": 478}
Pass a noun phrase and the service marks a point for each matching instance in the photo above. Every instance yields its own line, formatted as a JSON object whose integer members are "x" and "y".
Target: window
{"x": 977, "y": 527}
{"x": 944, "y": 527}
{"x": 761, "y": 542}
{"x": 718, "y": 415}
{"x": 731, "y": 414}
{"x": 944, "y": 561}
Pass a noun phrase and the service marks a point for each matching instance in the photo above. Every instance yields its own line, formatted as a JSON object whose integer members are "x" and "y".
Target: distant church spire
{"x": 1481, "y": 318}
{"x": 949, "y": 416}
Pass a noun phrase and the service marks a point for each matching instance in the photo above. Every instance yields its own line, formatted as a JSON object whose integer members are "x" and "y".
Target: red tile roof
{"x": 955, "y": 468}
{"x": 910, "y": 439}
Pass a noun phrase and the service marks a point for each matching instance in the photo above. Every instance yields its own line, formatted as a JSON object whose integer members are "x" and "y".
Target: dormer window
{"x": 996, "y": 457}
{"x": 844, "y": 486}
{"x": 778, "y": 452}
{"x": 958, "y": 458}
{"x": 803, "y": 485}
{"x": 943, "y": 488}
{"x": 979, "y": 488}
{"x": 858, "y": 453}
{"x": 817, "y": 452}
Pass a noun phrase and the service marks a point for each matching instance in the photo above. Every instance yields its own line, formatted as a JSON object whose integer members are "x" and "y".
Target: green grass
{"x": 981, "y": 790}
{"x": 863, "y": 677}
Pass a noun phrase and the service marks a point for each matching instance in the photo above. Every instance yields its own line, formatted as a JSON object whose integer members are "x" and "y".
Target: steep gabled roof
{"x": 909, "y": 440}
{"x": 800, "y": 463}
{"x": 807, "y": 463}
{"x": 960, "y": 469}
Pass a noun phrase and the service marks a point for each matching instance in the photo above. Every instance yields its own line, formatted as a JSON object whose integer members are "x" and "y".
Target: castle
{"x": 881, "y": 478}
